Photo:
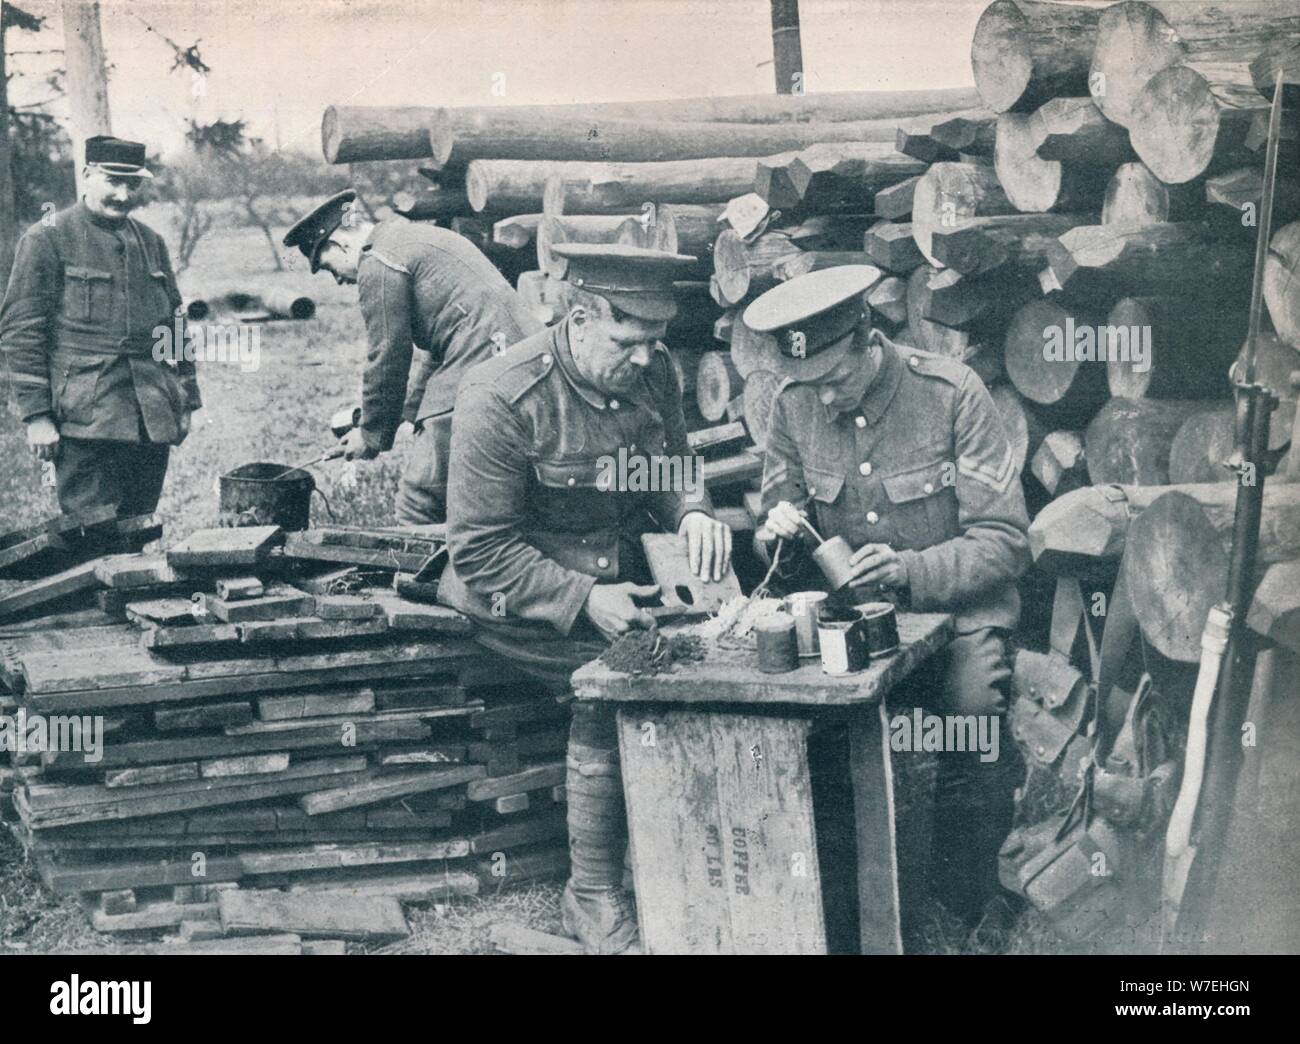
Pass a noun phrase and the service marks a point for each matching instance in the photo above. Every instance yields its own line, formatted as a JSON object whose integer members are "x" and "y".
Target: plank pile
{"x": 250, "y": 719}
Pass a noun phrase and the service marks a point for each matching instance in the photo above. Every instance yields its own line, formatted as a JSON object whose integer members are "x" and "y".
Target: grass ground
{"x": 280, "y": 413}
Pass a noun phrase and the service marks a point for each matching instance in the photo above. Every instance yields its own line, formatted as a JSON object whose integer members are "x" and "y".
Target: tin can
{"x": 842, "y": 636}
{"x": 777, "y": 647}
{"x": 881, "y": 622}
{"x": 834, "y": 558}
{"x": 805, "y": 607}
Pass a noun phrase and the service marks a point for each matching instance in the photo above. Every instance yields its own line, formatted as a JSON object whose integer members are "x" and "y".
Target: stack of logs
{"x": 756, "y": 188}
{"x": 1079, "y": 229}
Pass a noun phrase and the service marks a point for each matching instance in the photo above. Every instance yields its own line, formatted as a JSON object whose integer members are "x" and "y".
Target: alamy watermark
{"x": 239, "y": 344}
{"x": 918, "y": 732}
{"x": 1084, "y": 342}
{"x": 653, "y": 473}
{"x": 23, "y": 733}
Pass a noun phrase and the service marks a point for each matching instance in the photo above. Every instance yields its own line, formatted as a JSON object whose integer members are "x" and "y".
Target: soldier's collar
{"x": 880, "y": 392}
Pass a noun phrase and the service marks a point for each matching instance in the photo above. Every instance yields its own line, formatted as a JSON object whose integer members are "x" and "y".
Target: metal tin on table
{"x": 777, "y": 647}
{"x": 834, "y": 558}
{"x": 881, "y": 623}
{"x": 805, "y": 607}
{"x": 843, "y": 639}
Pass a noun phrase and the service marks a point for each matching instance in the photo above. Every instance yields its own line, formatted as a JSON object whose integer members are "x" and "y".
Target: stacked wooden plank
{"x": 249, "y": 711}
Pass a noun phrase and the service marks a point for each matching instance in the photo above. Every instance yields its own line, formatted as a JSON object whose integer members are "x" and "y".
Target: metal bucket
{"x": 266, "y": 495}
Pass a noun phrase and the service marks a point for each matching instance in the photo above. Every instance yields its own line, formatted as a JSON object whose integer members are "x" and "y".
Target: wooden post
{"x": 87, "y": 81}
{"x": 8, "y": 219}
{"x": 787, "y": 50}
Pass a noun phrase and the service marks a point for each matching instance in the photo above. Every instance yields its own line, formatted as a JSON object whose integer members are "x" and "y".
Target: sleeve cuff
{"x": 918, "y": 585}
{"x": 575, "y": 600}
{"x": 381, "y": 441}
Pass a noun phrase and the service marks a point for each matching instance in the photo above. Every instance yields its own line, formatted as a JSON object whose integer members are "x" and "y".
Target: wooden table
{"x": 721, "y": 785}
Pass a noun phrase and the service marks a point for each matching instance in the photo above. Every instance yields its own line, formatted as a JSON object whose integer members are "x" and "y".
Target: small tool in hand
{"x": 333, "y": 454}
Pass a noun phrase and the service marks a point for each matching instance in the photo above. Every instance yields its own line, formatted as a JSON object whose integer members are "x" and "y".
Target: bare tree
{"x": 189, "y": 187}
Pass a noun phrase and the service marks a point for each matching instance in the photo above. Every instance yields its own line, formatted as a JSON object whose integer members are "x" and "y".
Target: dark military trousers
{"x": 98, "y": 473}
{"x": 974, "y": 800}
{"x": 595, "y": 809}
{"x": 422, "y": 491}
{"x": 552, "y": 661}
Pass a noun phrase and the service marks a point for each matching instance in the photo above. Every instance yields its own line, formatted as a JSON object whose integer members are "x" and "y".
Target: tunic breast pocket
{"x": 87, "y": 293}
{"x": 826, "y": 488}
{"x": 576, "y": 494}
{"x": 923, "y": 502}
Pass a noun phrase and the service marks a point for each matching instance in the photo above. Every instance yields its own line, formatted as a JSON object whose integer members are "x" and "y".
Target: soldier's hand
{"x": 783, "y": 520}
{"x": 355, "y": 448}
{"x": 43, "y": 438}
{"x": 708, "y": 545}
{"x": 878, "y": 564}
{"x": 611, "y": 609}
{"x": 184, "y": 424}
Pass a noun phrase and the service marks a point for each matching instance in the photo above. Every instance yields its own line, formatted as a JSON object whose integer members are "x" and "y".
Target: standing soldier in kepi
{"x": 902, "y": 453}
{"x": 420, "y": 287}
{"x": 545, "y": 553}
{"x": 90, "y": 287}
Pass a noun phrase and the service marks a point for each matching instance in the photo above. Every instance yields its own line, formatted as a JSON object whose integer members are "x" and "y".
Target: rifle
{"x": 1198, "y": 825}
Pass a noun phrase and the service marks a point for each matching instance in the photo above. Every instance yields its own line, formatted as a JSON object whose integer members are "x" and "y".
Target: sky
{"x": 278, "y": 63}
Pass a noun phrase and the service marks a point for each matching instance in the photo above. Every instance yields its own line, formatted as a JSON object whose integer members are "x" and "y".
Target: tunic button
{"x": 929, "y": 487}
{"x": 572, "y": 481}
{"x": 864, "y": 468}
{"x": 872, "y": 517}
{"x": 602, "y": 562}
{"x": 546, "y": 360}
{"x": 861, "y": 422}
{"x": 613, "y": 404}
{"x": 915, "y": 361}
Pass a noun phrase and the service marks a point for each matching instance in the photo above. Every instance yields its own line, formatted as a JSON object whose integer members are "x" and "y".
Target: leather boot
{"x": 595, "y": 908}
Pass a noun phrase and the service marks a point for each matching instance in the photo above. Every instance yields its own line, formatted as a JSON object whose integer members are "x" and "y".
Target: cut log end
{"x": 1032, "y": 184}
{"x": 1000, "y": 58}
{"x": 1135, "y": 196}
{"x": 1176, "y": 568}
{"x": 1134, "y": 42}
{"x": 1176, "y": 125}
{"x": 731, "y": 266}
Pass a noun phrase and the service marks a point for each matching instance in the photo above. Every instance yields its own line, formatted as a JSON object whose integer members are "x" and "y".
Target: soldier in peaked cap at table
{"x": 90, "y": 293}
{"x": 902, "y": 453}
{"x": 545, "y": 557}
{"x": 420, "y": 287}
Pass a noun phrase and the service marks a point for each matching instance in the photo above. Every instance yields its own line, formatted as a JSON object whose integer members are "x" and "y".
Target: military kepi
{"x": 636, "y": 280}
{"x": 312, "y": 232}
{"x": 811, "y": 320}
{"x": 116, "y": 156}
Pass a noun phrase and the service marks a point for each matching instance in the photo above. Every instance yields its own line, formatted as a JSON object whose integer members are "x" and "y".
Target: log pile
{"x": 1146, "y": 117}
{"x": 1079, "y": 229}
{"x": 253, "y": 710}
{"x": 759, "y": 189}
